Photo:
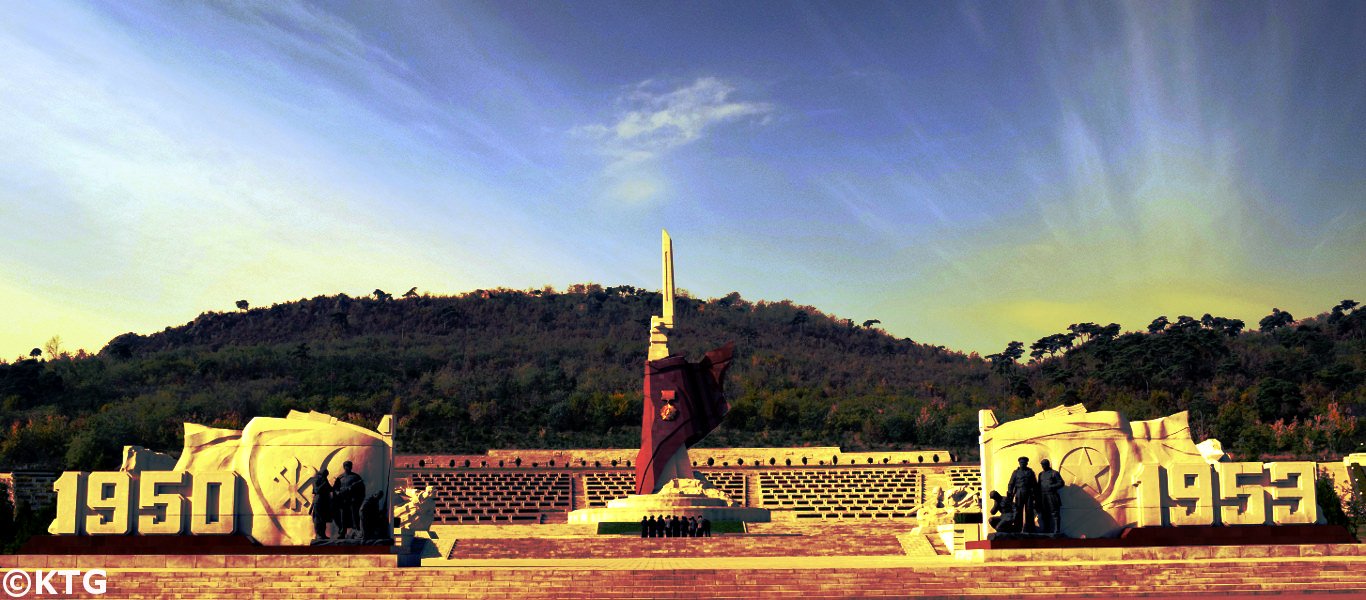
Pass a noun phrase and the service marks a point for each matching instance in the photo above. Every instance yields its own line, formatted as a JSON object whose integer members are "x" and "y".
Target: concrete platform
{"x": 680, "y": 497}
{"x": 788, "y": 560}
{"x": 729, "y": 577}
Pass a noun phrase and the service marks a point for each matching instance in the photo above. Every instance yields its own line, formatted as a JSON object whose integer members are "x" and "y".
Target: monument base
{"x": 632, "y": 528}
{"x": 1237, "y": 535}
{"x": 680, "y": 497}
{"x": 180, "y": 545}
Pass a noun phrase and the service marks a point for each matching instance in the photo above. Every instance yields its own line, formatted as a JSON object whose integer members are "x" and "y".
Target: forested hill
{"x": 545, "y": 369}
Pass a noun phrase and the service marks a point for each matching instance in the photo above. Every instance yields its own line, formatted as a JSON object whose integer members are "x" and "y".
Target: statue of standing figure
{"x": 1050, "y": 505}
{"x": 349, "y": 491}
{"x": 1022, "y": 491}
{"x": 322, "y": 508}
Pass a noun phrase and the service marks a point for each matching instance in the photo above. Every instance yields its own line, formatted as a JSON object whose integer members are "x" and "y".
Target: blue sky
{"x": 968, "y": 173}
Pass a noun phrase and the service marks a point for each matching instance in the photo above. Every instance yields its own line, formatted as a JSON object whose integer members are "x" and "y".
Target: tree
{"x": 1184, "y": 323}
{"x": 1277, "y": 318}
{"x": 1229, "y": 327}
{"x": 53, "y": 347}
{"x": 1341, "y": 310}
{"x": 1014, "y": 351}
{"x": 242, "y": 305}
{"x": 1002, "y": 362}
{"x": 122, "y": 345}
{"x": 1051, "y": 345}
{"x": 382, "y": 295}
{"x": 1108, "y": 332}
{"x": 729, "y": 300}
{"x": 1350, "y": 322}
{"x": 1083, "y": 331}
{"x": 411, "y": 293}
{"x": 35, "y": 353}
{"x": 1159, "y": 324}
{"x": 871, "y": 322}
{"x": 1278, "y": 399}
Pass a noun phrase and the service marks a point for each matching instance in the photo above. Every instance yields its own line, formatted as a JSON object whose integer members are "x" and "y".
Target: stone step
{"x": 717, "y": 546}
{"x": 1344, "y": 577}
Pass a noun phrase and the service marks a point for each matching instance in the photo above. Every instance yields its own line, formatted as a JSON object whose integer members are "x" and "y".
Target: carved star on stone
{"x": 1088, "y": 468}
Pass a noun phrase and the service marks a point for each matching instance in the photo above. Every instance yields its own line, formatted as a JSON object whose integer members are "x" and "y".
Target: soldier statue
{"x": 349, "y": 490}
{"x": 1001, "y": 505}
{"x": 322, "y": 507}
{"x": 1050, "y": 506}
{"x": 1021, "y": 492}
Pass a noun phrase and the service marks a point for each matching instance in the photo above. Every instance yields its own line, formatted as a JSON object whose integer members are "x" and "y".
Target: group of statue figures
{"x": 344, "y": 504}
{"x": 1031, "y": 504}
{"x": 675, "y": 527}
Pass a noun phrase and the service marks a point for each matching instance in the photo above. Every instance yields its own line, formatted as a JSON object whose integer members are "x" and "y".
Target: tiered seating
{"x": 608, "y": 485}
{"x": 966, "y": 476}
{"x": 730, "y": 482}
{"x": 600, "y": 487}
{"x": 842, "y": 493}
{"x": 495, "y": 496}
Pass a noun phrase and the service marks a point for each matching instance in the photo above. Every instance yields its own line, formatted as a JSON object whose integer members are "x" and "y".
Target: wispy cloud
{"x": 309, "y": 32}
{"x": 654, "y": 121}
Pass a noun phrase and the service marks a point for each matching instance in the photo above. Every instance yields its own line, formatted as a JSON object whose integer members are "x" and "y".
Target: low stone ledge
{"x": 1162, "y": 553}
{"x": 202, "y": 561}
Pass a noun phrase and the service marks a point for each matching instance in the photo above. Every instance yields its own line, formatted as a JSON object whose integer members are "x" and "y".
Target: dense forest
{"x": 547, "y": 369}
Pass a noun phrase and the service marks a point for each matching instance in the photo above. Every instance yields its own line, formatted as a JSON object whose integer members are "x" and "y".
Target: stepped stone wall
{"x": 496, "y": 495}
{"x": 843, "y": 493}
{"x": 510, "y": 486}
{"x": 545, "y": 495}
{"x": 701, "y": 457}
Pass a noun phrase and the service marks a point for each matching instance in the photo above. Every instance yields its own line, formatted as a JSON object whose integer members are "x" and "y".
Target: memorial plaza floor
{"x": 666, "y": 568}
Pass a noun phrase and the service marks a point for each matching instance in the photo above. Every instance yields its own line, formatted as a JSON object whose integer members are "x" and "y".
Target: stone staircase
{"x": 731, "y": 546}
{"x": 819, "y": 527}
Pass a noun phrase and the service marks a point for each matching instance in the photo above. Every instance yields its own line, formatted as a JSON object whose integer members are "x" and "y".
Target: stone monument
{"x": 684, "y": 401}
{"x": 258, "y": 481}
{"x": 1119, "y": 474}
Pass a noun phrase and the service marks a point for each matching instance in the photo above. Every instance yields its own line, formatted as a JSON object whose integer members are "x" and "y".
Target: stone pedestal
{"x": 680, "y": 497}
{"x": 957, "y": 535}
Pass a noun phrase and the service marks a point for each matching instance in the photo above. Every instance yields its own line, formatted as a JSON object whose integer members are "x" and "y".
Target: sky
{"x": 967, "y": 173}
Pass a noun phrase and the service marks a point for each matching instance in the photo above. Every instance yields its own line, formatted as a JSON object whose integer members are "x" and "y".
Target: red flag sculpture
{"x": 684, "y": 401}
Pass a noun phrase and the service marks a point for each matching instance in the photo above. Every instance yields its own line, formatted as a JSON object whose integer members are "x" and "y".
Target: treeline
{"x": 555, "y": 369}
{"x": 1287, "y": 389}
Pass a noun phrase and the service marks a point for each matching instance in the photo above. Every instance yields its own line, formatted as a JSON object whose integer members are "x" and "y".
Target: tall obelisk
{"x": 660, "y": 326}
